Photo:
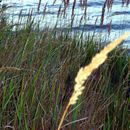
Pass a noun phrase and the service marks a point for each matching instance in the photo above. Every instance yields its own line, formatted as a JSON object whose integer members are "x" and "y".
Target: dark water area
{"x": 115, "y": 22}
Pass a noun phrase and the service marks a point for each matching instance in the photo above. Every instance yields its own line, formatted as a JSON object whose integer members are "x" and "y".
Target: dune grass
{"x": 37, "y": 75}
{"x": 39, "y": 68}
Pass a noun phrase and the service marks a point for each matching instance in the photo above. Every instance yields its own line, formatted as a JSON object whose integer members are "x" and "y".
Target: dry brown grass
{"x": 12, "y": 69}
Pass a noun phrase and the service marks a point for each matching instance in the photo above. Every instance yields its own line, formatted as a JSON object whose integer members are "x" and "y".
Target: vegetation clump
{"x": 37, "y": 74}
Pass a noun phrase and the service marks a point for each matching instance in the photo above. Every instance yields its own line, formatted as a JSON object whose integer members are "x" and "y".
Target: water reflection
{"x": 115, "y": 16}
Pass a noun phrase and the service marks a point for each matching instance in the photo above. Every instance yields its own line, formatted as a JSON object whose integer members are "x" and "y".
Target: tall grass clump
{"x": 37, "y": 74}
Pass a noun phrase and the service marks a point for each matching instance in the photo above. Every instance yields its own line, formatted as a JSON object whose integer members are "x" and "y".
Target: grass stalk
{"x": 85, "y": 72}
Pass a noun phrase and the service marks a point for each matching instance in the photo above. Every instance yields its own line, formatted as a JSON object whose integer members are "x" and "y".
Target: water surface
{"x": 116, "y": 20}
